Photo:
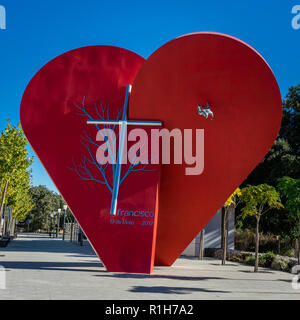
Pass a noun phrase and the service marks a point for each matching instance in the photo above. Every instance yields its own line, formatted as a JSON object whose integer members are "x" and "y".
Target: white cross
{"x": 123, "y": 128}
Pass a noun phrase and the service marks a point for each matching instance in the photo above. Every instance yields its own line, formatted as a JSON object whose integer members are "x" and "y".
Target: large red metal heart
{"x": 245, "y": 99}
{"x": 80, "y": 85}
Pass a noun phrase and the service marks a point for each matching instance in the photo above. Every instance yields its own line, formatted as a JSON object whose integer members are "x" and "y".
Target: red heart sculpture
{"x": 184, "y": 73}
{"x": 245, "y": 99}
{"x": 80, "y": 85}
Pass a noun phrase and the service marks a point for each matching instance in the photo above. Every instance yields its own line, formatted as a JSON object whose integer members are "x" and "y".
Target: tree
{"x": 69, "y": 215}
{"x": 230, "y": 203}
{"x": 14, "y": 164}
{"x": 45, "y": 203}
{"x": 290, "y": 189}
{"x": 258, "y": 200}
{"x": 18, "y": 196}
{"x": 290, "y": 127}
{"x": 94, "y": 164}
{"x": 284, "y": 157}
{"x": 282, "y": 160}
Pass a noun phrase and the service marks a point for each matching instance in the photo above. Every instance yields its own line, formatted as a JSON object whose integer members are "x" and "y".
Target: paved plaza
{"x": 37, "y": 267}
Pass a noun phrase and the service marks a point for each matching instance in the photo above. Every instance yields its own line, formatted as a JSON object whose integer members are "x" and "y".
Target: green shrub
{"x": 240, "y": 257}
{"x": 266, "y": 259}
{"x": 236, "y": 258}
{"x": 245, "y": 255}
{"x": 245, "y": 240}
{"x": 280, "y": 264}
{"x": 288, "y": 252}
{"x": 250, "y": 260}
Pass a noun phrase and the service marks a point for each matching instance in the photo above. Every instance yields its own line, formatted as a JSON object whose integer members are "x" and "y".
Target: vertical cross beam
{"x": 122, "y": 130}
{"x": 122, "y": 136}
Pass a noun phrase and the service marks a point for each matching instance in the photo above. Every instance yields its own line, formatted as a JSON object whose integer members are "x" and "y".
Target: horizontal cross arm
{"x": 129, "y": 122}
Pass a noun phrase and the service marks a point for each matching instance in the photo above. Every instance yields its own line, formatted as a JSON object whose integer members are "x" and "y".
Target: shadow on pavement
{"x": 43, "y": 243}
{"x": 82, "y": 255}
{"x": 155, "y": 276}
{"x": 172, "y": 290}
{"x": 220, "y": 264}
{"x": 173, "y": 277}
{"x": 58, "y": 266}
{"x": 187, "y": 290}
{"x": 259, "y": 271}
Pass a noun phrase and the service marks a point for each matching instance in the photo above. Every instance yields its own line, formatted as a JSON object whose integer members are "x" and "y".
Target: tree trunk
{"x": 13, "y": 227}
{"x": 256, "y": 244}
{"x": 11, "y": 224}
{"x": 224, "y": 236}
{"x": 3, "y": 231}
{"x": 201, "y": 245}
{"x": 2, "y": 201}
{"x": 226, "y": 240}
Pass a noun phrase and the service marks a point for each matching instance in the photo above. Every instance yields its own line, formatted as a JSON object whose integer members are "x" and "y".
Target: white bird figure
{"x": 205, "y": 111}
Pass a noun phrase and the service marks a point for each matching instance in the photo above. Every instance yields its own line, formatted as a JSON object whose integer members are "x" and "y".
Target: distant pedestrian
{"x": 50, "y": 231}
{"x": 80, "y": 238}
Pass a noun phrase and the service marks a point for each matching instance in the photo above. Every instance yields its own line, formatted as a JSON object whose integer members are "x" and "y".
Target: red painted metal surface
{"x": 56, "y": 129}
{"x": 246, "y": 102}
{"x": 185, "y": 72}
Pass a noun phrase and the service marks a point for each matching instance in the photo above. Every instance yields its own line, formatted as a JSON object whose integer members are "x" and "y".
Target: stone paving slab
{"x": 37, "y": 267}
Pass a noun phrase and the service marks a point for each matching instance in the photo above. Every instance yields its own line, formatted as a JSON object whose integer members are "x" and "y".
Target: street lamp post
{"x": 55, "y": 224}
{"x": 51, "y": 224}
{"x": 58, "y": 222}
{"x": 72, "y": 222}
{"x": 64, "y": 226}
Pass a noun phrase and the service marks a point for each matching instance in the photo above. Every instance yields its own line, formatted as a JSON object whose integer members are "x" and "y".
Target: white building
{"x": 212, "y": 236}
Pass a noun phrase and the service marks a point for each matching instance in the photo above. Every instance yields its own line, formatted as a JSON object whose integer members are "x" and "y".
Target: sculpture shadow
{"x": 156, "y": 276}
{"x": 172, "y": 290}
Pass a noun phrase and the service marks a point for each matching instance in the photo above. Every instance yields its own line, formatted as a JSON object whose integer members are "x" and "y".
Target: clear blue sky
{"x": 39, "y": 30}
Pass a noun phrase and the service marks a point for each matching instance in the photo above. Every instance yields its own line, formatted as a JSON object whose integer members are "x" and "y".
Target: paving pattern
{"x": 39, "y": 267}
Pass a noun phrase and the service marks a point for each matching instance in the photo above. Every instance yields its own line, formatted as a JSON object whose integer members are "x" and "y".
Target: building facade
{"x": 212, "y": 235}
